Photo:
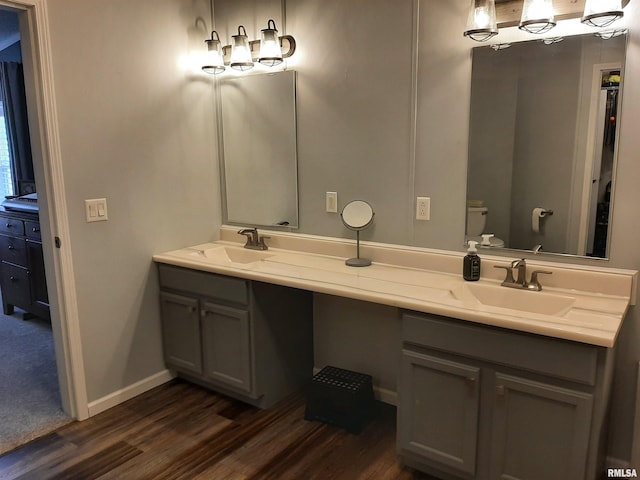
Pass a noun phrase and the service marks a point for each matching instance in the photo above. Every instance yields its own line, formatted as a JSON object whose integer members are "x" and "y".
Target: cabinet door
{"x": 181, "y": 332}
{"x": 226, "y": 341}
{"x": 438, "y": 411}
{"x": 541, "y": 431}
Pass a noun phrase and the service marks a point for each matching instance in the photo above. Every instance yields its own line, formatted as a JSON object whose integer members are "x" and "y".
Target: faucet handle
{"x": 261, "y": 244}
{"x": 509, "y": 277}
{"x": 534, "y": 284}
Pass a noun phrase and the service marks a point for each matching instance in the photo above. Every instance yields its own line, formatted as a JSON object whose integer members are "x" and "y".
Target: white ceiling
{"x": 9, "y": 28}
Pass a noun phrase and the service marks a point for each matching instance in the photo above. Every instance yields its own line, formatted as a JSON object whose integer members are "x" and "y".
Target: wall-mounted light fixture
{"x": 481, "y": 24}
{"x": 601, "y": 13}
{"x": 241, "y": 51}
{"x": 270, "y": 50}
{"x": 534, "y": 16}
{"x": 214, "y": 61}
{"x": 537, "y": 16}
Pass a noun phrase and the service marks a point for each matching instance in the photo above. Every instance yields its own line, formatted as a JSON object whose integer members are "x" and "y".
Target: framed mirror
{"x": 542, "y": 144}
{"x": 259, "y": 149}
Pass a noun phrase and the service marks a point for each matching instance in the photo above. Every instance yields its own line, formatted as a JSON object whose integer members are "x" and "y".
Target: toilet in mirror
{"x": 476, "y": 222}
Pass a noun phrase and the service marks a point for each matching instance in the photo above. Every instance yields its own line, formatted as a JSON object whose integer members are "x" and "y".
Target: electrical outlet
{"x": 423, "y": 208}
{"x": 332, "y": 202}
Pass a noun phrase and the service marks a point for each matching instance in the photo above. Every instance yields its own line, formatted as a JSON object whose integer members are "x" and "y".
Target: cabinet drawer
{"x": 15, "y": 285}
{"x": 12, "y": 226}
{"x": 13, "y": 250}
{"x": 211, "y": 285}
{"x": 557, "y": 358}
{"x": 32, "y": 230}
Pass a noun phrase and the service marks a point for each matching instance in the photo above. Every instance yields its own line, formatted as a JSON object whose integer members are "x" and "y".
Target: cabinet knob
{"x": 500, "y": 391}
{"x": 35, "y": 229}
{"x": 13, "y": 279}
{"x": 203, "y": 313}
{"x": 191, "y": 309}
{"x": 9, "y": 225}
{"x": 471, "y": 384}
{"x": 11, "y": 247}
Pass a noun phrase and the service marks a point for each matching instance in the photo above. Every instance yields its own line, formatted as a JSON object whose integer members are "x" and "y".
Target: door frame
{"x": 47, "y": 162}
{"x": 594, "y": 137}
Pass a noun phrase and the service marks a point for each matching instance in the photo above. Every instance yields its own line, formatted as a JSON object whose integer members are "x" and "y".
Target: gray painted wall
{"x": 139, "y": 130}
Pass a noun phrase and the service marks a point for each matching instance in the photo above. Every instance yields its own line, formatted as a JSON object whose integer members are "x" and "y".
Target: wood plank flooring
{"x": 182, "y": 431}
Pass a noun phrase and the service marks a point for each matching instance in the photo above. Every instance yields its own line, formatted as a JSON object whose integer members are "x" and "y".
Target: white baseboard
{"x": 129, "y": 392}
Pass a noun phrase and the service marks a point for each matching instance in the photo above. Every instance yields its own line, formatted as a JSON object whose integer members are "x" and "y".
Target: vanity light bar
{"x": 286, "y": 42}
{"x": 270, "y": 50}
{"x": 511, "y": 13}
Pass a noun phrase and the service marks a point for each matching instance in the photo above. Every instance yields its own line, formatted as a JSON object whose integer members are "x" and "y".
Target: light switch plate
{"x": 96, "y": 210}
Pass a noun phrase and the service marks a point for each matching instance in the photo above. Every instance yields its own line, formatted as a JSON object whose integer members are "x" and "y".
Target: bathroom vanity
{"x": 250, "y": 340}
{"x": 493, "y": 382}
{"x": 482, "y": 402}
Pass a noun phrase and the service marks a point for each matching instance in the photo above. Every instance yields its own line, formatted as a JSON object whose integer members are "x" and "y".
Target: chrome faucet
{"x": 521, "y": 280}
{"x": 254, "y": 240}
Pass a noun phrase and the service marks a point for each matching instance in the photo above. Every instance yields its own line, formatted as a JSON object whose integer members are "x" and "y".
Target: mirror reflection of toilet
{"x": 476, "y": 221}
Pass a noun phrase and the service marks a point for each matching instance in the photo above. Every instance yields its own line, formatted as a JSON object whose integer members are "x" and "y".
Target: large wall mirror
{"x": 259, "y": 149}
{"x": 542, "y": 145}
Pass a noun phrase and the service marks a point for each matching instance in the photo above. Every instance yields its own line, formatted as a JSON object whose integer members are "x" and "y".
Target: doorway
{"x": 47, "y": 164}
{"x": 600, "y": 159}
{"x": 30, "y": 404}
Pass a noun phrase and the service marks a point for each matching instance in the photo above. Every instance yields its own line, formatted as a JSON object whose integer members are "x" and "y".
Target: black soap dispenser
{"x": 471, "y": 265}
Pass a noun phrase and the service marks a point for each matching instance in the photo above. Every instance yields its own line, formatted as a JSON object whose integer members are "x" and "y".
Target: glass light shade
{"x": 270, "y": 51}
{"x": 601, "y": 13}
{"x": 537, "y": 16}
{"x": 241, "y": 51}
{"x": 481, "y": 24}
{"x": 214, "y": 60}
{"x": 609, "y": 34}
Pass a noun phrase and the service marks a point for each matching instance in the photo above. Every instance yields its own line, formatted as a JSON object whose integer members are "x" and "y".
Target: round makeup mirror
{"x": 357, "y": 215}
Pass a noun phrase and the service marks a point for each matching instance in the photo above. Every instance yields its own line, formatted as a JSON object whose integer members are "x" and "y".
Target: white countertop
{"x": 592, "y": 317}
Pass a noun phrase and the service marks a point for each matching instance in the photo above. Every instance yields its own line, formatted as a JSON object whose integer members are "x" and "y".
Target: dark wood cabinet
{"x": 22, "y": 275}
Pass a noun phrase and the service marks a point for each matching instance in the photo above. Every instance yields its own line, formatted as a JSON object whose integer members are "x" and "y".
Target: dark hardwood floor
{"x": 182, "y": 431}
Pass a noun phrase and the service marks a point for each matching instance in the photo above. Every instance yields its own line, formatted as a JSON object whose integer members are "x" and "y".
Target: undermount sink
{"x": 543, "y": 303}
{"x": 233, "y": 255}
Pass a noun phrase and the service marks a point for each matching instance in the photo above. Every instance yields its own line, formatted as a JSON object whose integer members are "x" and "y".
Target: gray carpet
{"x": 29, "y": 393}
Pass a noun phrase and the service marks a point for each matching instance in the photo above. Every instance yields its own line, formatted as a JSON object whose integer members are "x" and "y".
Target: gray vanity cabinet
{"x": 539, "y": 430}
{"x": 181, "y": 332}
{"x": 439, "y": 415}
{"x": 226, "y": 340}
{"x": 484, "y": 403}
{"x": 249, "y": 340}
